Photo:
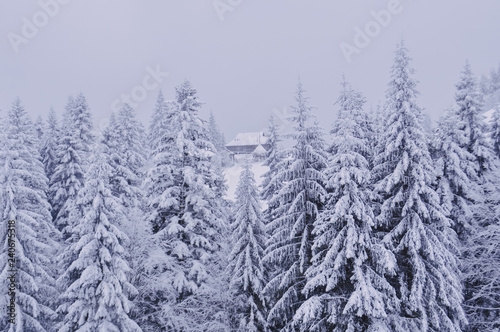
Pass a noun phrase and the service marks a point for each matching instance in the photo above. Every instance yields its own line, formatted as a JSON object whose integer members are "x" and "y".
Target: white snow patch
{"x": 232, "y": 174}
{"x": 488, "y": 115}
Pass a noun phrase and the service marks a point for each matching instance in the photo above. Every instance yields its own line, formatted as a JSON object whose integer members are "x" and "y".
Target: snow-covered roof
{"x": 259, "y": 150}
{"x": 255, "y": 138}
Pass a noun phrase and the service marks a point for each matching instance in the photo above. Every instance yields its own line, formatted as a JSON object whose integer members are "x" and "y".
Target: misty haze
{"x": 264, "y": 166}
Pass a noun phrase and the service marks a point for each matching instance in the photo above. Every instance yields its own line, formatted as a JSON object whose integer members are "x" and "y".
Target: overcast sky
{"x": 243, "y": 56}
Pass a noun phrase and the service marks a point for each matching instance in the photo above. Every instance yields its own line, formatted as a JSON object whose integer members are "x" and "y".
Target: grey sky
{"x": 244, "y": 66}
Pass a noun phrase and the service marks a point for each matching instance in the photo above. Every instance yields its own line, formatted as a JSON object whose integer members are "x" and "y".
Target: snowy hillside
{"x": 232, "y": 174}
{"x": 489, "y": 115}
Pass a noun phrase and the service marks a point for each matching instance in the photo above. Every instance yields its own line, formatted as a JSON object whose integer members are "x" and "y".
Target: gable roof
{"x": 259, "y": 150}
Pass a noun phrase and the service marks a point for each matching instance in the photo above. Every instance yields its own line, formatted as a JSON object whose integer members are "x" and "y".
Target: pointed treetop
{"x": 467, "y": 84}
{"x": 52, "y": 119}
{"x": 160, "y": 101}
{"x": 349, "y": 100}
{"x": 302, "y": 112}
{"x": 186, "y": 97}
{"x": 402, "y": 75}
{"x": 160, "y": 96}
{"x": 18, "y": 118}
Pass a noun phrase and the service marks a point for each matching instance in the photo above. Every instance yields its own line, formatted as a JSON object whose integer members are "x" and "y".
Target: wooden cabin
{"x": 246, "y": 143}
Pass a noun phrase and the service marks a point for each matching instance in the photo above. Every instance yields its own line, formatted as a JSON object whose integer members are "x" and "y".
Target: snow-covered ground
{"x": 232, "y": 174}
{"x": 489, "y": 115}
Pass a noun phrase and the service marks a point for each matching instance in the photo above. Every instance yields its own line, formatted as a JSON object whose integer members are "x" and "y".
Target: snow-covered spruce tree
{"x": 411, "y": 221}
{"x": 469, "y": 109}
{"x": 39, "y": 128}
{"x": 495, "y": 131}
{"x": 346, "y": 286}
{"x": 213, "y": 129}
{"x": 220, "y": 157}
{"x": 125, "y": 139}
{"x": 23, "y": 185}
{"x": 246, "y": 266}
{"x": 158, "y": 124}
{"x": 457, "y": 181}
{"x": 352, "y": 101}
{"x": 482, "y": 272}
{"x": 72, "y": 160}
{"x": 49, "y": 144}
{"x": 481, "y": 305}
{"x": 217, "y": 139}
{"x": 379, "y": 122}
{"x": 184, "y": 208}
{"x": 288, "y": 249}
{"x": 490, "y": 88}
{"x": 490, "y": 84}
{"x": 472, "y": 124}
{"x": 154, "y": 278}
{"x": 157, "y": 308}
{"x": 97, "y": 291}
{"x": 270, "y": 185}
{"x": 180, "y": 150}
{"x": 156, "y": 300}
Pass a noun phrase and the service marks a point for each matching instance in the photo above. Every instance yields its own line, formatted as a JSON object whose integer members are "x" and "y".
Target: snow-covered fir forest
{"x": 376, "y": 221}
